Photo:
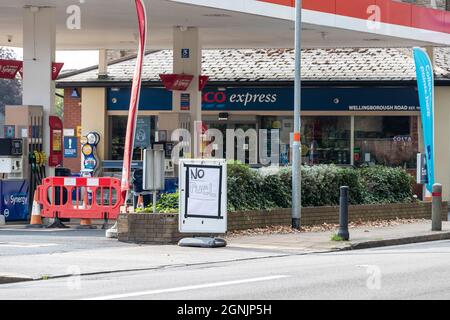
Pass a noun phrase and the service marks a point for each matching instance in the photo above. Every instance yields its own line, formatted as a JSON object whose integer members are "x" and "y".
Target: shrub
{"x": 168, "y": 203}
{"x": 250, "y": 189}
{"x": 321, "y": 183}
{"x": 277, "y": 191}
{"x": 246, "y": 189}
{"x": 386, "y": 185}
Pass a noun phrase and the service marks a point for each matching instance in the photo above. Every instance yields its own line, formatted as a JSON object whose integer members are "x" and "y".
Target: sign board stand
{"x": 203, "y": 201}
{"x": 153, "y": 175}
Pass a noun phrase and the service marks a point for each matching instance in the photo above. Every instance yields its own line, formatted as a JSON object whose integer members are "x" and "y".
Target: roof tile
{"x": 264, "y": 64}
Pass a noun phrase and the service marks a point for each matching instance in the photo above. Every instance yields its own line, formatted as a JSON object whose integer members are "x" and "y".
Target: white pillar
{"x": 39, "y": 42}
{"x": 430, "y": 52}
{"x": 187, "y": 58}
{"x": 102, "y": 64}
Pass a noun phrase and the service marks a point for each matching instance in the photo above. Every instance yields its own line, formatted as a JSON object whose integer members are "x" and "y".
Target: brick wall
{"x": 72, "y": 119}
{"x": 149, "y": 228}
{"x": 163, "y": 228}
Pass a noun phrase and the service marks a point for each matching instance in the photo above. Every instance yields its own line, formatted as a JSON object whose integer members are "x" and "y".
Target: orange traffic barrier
{"x": 36, "y": 219}
{"x": 86, "y": 198}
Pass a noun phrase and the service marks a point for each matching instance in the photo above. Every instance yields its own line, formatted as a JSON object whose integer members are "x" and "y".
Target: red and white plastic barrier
{"x": 80, "y": 198}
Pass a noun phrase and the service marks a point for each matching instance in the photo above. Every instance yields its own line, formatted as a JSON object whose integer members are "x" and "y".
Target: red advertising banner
{"x": 176, "y": 82}
{"x": 56, "y": 69}
{"x": 9, "y": 68}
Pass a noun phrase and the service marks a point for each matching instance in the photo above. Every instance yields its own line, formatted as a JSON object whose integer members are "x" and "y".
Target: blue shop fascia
{"x": 349, "y": 116}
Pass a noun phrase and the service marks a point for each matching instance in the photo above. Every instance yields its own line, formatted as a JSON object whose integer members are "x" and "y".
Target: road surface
{"x": 418, "y": 271}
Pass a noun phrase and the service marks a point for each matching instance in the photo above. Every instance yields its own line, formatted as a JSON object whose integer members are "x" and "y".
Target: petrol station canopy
{"x": 238, "y": 23}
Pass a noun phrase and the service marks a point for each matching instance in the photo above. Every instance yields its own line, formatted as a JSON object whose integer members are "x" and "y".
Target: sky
{"x": 72, "y": 59}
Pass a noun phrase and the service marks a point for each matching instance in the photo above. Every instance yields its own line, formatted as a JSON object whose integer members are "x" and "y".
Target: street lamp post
{"x": 296, "y": 146}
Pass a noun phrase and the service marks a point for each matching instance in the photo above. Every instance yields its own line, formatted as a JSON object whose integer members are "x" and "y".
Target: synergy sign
{"x": 9, "y": 68}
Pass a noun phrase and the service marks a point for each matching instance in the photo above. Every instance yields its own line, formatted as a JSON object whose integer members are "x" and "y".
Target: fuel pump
{"x": 21, "y": 160}
{"x": 89, "y": 150}
{"x": 90, "y": 161}
{"x": 14, "y": 188}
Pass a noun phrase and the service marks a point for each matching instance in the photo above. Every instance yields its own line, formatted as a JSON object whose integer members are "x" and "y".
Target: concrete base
{"x": 202, "y": 242}
{"x": 85, "y": 227}
{"x": 112, "y": 233}
{"x": 2, "y": 220}
{"x": 57, "y": 224}
{"x": 34, "y": 226}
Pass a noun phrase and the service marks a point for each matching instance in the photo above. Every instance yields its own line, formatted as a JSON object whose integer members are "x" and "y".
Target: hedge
{"x": 250, "y": 189}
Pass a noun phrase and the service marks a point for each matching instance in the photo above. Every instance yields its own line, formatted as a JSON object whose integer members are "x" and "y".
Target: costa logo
{"x": 214, "y": 97}
{"x": 402, "y": 139}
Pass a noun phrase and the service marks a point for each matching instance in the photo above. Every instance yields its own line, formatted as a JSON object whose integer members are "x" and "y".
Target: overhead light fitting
{"x": 75, "y": 93}
{"x": 34, "y": 9}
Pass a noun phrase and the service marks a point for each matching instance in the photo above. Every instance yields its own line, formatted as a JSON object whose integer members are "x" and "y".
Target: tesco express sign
{"x": 238, "y": 99}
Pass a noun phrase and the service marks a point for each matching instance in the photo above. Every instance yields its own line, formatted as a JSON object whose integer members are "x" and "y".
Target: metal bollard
{"x": 343, "y": 214}
{"x": 436, "y": 207}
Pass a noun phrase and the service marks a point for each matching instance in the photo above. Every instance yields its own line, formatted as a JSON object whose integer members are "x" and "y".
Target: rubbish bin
{"x": 61, "y": 172}
{"x": 137, "y": 181}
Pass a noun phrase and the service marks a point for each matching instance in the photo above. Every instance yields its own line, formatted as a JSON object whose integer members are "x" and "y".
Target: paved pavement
{"x": 417, "y": 271}
{"x": 37, "y": 254}
{"x": 320, "y": 241}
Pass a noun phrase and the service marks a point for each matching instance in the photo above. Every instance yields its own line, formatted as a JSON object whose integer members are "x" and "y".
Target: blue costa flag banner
{"x": 425, "y": 86}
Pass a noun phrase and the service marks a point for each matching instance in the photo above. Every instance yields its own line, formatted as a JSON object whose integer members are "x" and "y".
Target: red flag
{"x": 56, "y": 69}
{"x": 134, "y": 101}
{"x": 9, "y": 68}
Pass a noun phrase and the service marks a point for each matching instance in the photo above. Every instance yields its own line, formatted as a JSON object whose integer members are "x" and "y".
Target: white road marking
{"x": 260, "y": 246}
{"x": 26, "y": 245}
{"x": 186, "y": 288}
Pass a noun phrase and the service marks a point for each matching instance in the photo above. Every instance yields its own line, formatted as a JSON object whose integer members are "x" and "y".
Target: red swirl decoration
{"x": 134, "y": 101}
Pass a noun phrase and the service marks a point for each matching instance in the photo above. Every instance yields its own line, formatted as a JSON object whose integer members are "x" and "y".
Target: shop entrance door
{"x": 234, "y": 126}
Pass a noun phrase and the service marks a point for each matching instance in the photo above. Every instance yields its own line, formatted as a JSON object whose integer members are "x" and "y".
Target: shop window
{"x": 386, "y": 140}
{"x": 326, "y": 140}
{"x": 145, "y": 134}
{"x": 285, "y": 126}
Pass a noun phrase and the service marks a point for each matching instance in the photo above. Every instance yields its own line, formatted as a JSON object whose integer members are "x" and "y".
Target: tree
{"x": 10, "y": 90}
{"x": 59, "y": 103}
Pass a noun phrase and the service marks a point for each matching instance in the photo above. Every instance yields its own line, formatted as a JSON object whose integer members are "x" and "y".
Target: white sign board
{"x": 69, "y": 132}
{"x": 203, "y": 195}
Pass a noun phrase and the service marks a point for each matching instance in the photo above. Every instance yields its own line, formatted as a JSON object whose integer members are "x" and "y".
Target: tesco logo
{"x": 214, "y": 97}
{"x": 221, "y": 97}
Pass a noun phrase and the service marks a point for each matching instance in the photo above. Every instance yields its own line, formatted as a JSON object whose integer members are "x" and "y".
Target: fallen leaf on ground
{"x": 320, "y": 228}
